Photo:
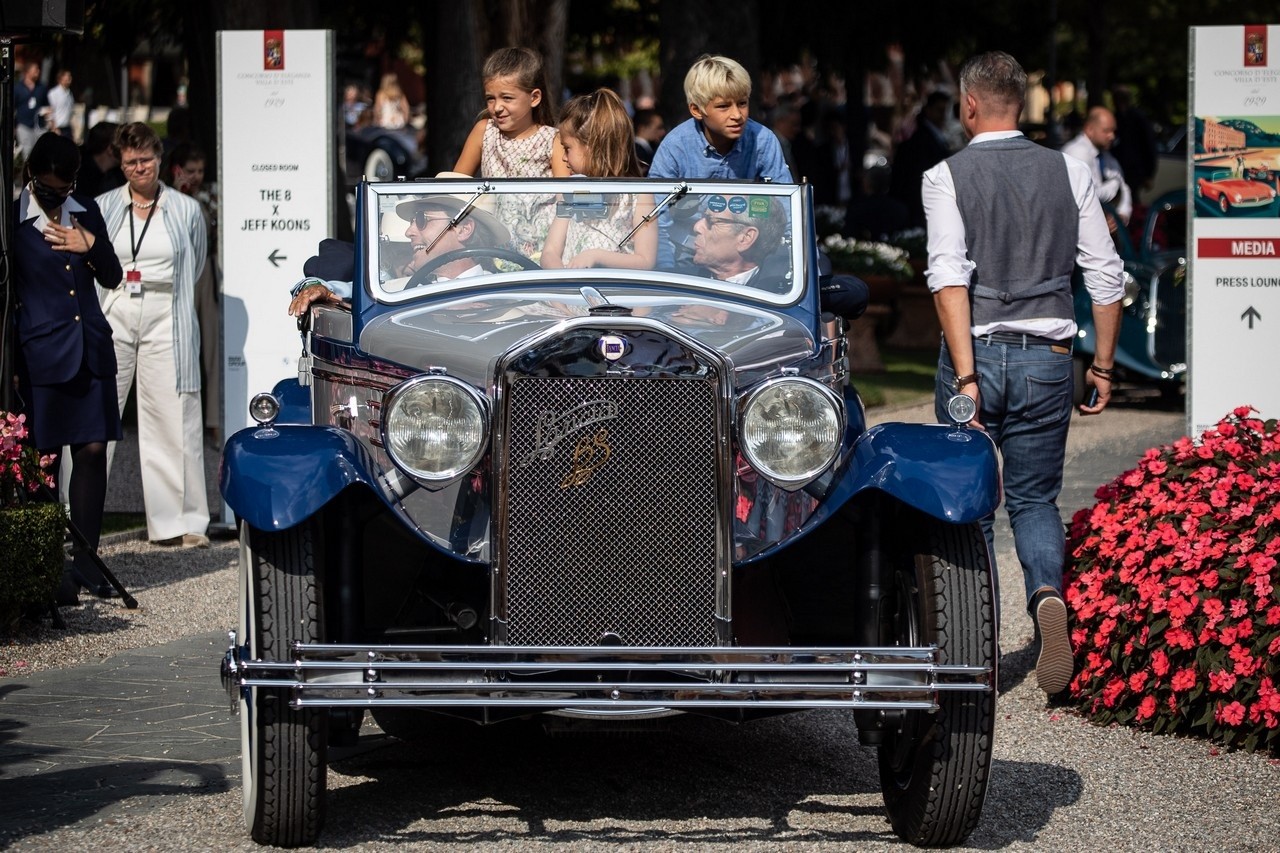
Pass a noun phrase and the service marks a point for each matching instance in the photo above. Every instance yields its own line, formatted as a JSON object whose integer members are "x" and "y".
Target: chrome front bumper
{"x": 615, "y": 679}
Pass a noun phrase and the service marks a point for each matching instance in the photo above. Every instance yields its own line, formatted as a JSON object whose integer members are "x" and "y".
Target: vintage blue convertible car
{"x": 600, "y": 496}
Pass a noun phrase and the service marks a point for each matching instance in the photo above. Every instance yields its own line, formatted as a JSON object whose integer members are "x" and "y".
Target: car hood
{"x": 468, "y": 335}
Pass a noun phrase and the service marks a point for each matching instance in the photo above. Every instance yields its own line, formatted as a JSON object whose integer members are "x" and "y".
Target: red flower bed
{"x": 1174, "y": 589}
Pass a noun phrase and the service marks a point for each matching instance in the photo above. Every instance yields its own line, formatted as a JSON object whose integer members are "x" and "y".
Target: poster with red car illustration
{"x": 1233, "y": 269}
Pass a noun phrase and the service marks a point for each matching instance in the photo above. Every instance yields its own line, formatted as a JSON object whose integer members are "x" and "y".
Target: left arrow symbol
{"x": 1251, "y": 314}
{"x": 275, "y": 257}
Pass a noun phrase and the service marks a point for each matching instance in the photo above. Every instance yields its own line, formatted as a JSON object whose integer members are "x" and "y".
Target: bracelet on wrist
{"x": 1102, "y": 372}
{"x": 961, "y": 381}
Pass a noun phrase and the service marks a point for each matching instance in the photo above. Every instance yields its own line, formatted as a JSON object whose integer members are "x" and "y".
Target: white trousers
{"x": 170, "y": 434}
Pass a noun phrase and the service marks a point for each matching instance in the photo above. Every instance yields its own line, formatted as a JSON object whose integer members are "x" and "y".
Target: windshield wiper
{"x": 675, "y": 195}
{"x": 459, "y": 216}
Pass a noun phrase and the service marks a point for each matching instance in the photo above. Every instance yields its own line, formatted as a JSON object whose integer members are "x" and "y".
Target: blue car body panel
{"x": 275, "y": 482}
{"x": 295, "y": 402}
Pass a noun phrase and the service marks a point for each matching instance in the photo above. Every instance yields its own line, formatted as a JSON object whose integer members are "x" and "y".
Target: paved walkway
{"x": 78, "y": 742}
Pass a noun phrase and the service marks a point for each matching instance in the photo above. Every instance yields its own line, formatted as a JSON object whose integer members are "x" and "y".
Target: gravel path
{"x": 798, "y": 782}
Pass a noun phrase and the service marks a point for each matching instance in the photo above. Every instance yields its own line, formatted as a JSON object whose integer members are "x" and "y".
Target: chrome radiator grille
{"x": 611, "y": 530}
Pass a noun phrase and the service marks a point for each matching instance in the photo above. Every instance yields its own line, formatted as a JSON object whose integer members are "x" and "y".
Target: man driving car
{"x": 430, "y": 226}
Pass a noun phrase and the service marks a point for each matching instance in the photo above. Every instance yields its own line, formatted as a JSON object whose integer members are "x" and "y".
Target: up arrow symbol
{"x": 1251, "y": 314}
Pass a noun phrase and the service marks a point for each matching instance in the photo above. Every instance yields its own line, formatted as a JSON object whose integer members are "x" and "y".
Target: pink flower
{"x": 1159, "y": 663}
{"x": 1221, "y": 681}
{"x": 1146, "y": 709}
{"x": 1184, "y": 679}
{"x": 1232, "y": 714}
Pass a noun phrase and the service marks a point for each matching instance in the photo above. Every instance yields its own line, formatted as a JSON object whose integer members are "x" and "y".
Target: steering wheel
{"x": 419, "y": 278}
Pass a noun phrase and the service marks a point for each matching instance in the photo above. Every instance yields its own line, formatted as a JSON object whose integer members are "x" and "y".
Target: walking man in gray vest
{"x": 1007, "y": 221}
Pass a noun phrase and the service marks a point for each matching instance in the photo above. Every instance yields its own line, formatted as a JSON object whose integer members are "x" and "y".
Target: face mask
{"x": 46, "y": 197}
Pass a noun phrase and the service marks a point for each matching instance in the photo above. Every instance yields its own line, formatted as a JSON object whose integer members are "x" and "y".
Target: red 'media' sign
{"x": 1238, "y": 247}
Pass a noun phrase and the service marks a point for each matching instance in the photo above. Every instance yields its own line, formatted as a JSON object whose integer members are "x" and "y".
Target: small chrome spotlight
{"x": 264, "y": 408}
{"x": 961, "y": 408}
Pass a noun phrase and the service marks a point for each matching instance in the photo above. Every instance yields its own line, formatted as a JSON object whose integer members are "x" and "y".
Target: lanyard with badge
{"x": 133, "y": 277}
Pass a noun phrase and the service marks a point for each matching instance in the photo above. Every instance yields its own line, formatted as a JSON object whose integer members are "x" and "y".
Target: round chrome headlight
{"x": 791, "y": 430}
{"x": 435, "y": 428}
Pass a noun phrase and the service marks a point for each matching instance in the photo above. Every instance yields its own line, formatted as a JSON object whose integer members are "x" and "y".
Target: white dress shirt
{"x": 949, "y": 264}
{"x": 62, "y": 105}
{"x": 1107, "y": 175}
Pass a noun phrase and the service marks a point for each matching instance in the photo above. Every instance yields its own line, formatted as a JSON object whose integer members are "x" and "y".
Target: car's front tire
{"x": 282, "y": 749}
{"x": 934, "y": 767}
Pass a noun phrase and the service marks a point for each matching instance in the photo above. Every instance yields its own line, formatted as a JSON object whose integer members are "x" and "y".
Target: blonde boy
{"x": 719, "y": 141}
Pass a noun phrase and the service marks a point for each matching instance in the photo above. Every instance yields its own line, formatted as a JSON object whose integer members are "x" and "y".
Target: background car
{"x": 1227, "y": 191}
{"x": 1264, "y": 175}
{"x": 601, "y": 497}
{"x": 1171, "y": 165}
{"x": 382, "y": 154}
{"x": 1153, "y": 327}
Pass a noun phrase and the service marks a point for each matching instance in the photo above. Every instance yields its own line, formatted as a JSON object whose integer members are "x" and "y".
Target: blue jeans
{"x": 1025, "y": 405}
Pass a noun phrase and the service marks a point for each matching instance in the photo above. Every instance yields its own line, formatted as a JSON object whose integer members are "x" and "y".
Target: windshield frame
{"x": 380, "y": 198}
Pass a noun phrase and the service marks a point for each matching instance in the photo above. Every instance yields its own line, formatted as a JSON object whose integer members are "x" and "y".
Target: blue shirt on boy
{"x": 685, "y": 153}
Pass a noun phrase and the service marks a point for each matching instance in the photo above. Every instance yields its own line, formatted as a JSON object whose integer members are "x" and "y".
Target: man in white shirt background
{"x": 62, "y": 105}
{"x": 1093, "y": 148}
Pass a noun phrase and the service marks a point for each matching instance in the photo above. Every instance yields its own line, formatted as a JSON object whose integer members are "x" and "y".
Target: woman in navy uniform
{"x": 65, "y": 356}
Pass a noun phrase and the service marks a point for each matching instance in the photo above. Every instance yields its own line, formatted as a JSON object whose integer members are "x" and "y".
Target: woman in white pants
{"x": 160, "y": 238}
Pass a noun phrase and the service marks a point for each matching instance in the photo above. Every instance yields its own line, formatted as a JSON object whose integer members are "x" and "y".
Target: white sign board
{"x": 1234, "y": 253}
{"x": 275, "y": 168}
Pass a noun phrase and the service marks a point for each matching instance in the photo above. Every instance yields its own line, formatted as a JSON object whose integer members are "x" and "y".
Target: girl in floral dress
{"x": 516, "y": 138}
{"x": 598, "y": 141}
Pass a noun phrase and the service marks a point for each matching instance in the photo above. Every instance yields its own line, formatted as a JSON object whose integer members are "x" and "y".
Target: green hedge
{"x": 31, "y": 557}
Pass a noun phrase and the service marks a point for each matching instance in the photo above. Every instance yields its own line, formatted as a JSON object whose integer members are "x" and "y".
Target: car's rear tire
{"x": 934, "y": 768}
{"x": 282, "y": 749}
{"x": 1223, "y": 204}
{"x": 379, "y": 166}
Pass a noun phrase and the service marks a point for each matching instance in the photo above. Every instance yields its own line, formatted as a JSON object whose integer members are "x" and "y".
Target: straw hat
{"x": 482, "y": 213}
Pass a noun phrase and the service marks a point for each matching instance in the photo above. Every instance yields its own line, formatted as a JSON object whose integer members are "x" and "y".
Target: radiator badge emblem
{"x": 588, "y": 458}
{"x": 552, "y": 428}
{"x": 612, "y": 347}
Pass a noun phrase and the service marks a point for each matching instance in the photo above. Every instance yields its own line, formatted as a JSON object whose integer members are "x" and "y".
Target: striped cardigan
{"x": 189, "y": 236}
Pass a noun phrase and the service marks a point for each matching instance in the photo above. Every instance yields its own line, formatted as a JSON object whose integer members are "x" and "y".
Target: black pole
{"x": 6, "y": 224}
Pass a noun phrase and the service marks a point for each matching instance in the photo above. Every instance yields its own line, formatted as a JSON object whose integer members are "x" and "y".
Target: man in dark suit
{"x": 650, "y": 129}
{"x": 924, "y": 149}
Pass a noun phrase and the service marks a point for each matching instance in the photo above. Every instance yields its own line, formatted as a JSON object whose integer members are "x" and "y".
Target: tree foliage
{"x": 1096, "y": 43}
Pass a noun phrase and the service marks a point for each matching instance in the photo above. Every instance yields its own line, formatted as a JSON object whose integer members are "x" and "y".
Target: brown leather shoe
{"x": 186, "y": 540}
{"x": 195, "y": 540}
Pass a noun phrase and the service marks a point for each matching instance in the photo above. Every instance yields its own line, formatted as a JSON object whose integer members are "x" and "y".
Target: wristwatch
{"x": 961, "y": 381}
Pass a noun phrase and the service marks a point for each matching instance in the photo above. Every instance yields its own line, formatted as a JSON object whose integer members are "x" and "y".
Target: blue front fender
{"x": 945, "y": 471}
{"x": 277, "y": 481}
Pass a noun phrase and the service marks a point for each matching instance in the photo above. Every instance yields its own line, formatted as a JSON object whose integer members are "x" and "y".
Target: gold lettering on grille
{"x": 589, "y": 456}
{"x": 551, "y": 428}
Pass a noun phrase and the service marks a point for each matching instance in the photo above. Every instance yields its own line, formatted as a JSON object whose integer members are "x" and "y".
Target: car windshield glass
{"x": 431, "y": 236}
